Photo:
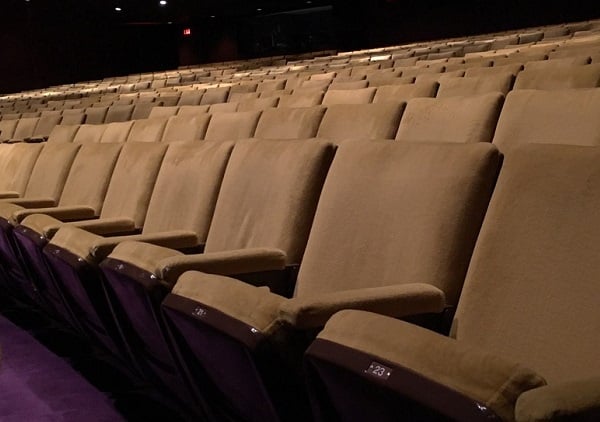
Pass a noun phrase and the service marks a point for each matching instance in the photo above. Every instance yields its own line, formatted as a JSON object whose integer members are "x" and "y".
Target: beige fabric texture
{"x": 232, "y": 126}
{"x": 531, "y": 293}
{"x": 46, "y": 220}
{"x": 414, "y": 211}
{"x": 89, "y": 134}
{"x": 560, "y": 77}
{"x": 147, "y": 130}
{"x": 557, "y": 117}
{"x": 228, "y": 107}
{"x": 142, "y": 255}
{"x": 475, "y": 85}
{"x": 361, "y": 121}
{"x": 256, "y": 307}
{"x": 162, "y": 111}
{"x": 349, "y": 85}
{"x": 89, "y": 176}
{"x": 132, "y": 181}
{"x": 17, "y": 166}
{"x": 488, "y": 379}
{"x": 184, "y": 128}
{"x": 238, "y": 261}
{"x": 51, "y": 170}
{"x": 106, "y": 226}
{"x": 563, "y": 400}
{"x": 63, "y": 133}
{"x": 186, "y": 188}
{"x": 397, "y": 301}
{"x": 258, "y": 104}
{"x": 269, "y": 195}
{"x": 302, "y": 98}
{"x": 117, "y": 132}
{"x": 348, "y": 96}
{"x": 289, "y": 123}
{"x": 452, "y": 119}
{"x": 512, "y": 68}
{"x": 403, "y": 92}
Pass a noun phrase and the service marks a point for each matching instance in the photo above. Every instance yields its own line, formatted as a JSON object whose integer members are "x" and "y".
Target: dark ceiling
{"x": 149, "y": 11}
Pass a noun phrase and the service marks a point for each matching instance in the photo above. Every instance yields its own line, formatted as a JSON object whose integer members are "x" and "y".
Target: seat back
{"x": 161, "y": 111}
{"x": 414, "y": 211}
{"x": 349, "y": 96}
{"x": 63, "y": 133}
{"x": 560, "y": 77}
{"x": 361, "y": 121}
{"x": 230, "y": 126}
{"x": 50, "y": 171}
{"x": 532, "y": 289}
{"x": 302, "y": 98}
{"x": 116, "y": 132}
{"x": 89, "y": 175}
{"x": 89, "y": 134}
{"x": 289, "y": 123}
{"x": 7, "y": 129}
{"x": 17, "y": 165}
{"x": 560, "y": 117}
{"x": 119, "y": 113}
{"x": 25, "y": 128}
{"x": 147, "y": 130}
{"x": 269, "y": 195}
{"x": 475, "y": 85}
{"x": 186, "y": 187}
{"x": 454, "y": 119}
{"x": 186, "y": 128}
{"x": 95, "y": 115}
{"x": 404, "y": 92}
{"x": 45, "y": 125}
{"x": 132, "y": 181}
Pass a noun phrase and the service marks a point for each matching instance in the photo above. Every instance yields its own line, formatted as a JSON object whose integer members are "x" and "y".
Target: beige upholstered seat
{"x": 7, "y": 129}
{"x": 361, "y": 121}
{"x": 513, "y": 69}
{"x": 407, "y": 223}
{"x": 453, "y": 119}
{"x": 558, "y": 117}
{"x": 215, "y": 95}
{"x": 302, "y": 98}
{"x": 193, "y": 110}
{"x": 63, "y": 133}
{"x": 403, "y": 92}
{"x": 289, "y": 123}
{"x": 475, "y": 85}
{"x": 186, "y": 128}
{"x": 24, "y": 129}
{"x": 147, "y": 130}
{"x": 88, "y": 134}
{"x": 161, "y": 111}
{"x": 119, "y": 113}
{"x": 348, "y": 96}
{"x": 116, "y": 132}
{"x": 85, "y": 187}
{"x": 560, "y": 77}
{"x": 527, "y": 315}
{"x": 16, "y": 164}
{"x": 232, "y": 126}
{"x": 95, "y": 115}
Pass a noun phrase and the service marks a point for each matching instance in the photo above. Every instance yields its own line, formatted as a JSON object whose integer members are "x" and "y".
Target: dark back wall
{"x": 57, "y": 42}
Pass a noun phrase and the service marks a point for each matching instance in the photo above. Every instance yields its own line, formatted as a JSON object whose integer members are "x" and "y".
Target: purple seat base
{"x": 38, "y": 386}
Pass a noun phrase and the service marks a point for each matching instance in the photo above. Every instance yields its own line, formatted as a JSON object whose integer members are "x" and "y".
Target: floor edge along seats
{"x": 393, "y": 233}
{"x": 524, "y": 340}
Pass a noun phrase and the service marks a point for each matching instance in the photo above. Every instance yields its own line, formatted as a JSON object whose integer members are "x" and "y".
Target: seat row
{"x": 261, "y": 212}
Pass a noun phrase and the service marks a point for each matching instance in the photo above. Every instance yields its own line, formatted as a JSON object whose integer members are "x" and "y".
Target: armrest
{"x": 61, "y": 213}
{"x": 8, "y": 209}
{"x": 575, "y": 400}
{"x": 458, "y": 380}
{"x": 33, "y": 202}
{"x": 106, "y": 226}
{"x": 233, "y": 304}
{"x": 238, "y": 261}
{"x": 176, "y": 239}
{"x": 397, "y": 301}
{"x": 9, "y": 194}
{"x": 43, "y": 224}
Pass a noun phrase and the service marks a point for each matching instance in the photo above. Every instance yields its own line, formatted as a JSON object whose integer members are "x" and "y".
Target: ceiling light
{"x": 259, "y": 10}
{"x": 118, "y": 9}
{"x": 163, "y": 2}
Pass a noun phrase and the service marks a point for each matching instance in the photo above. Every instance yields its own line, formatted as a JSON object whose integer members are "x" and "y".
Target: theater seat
{"x": 186, "y": 128}
{"x": 535, "y": 116}
{"x": 231, "y": 126}
{"x": 475, "y": 85}
{"x": 289, "y": 123}
{"x": 385, "y": 238}
{"x": 453, "y": 119}
{"x": 524, "y": 342}
{"x": 348, "y": 96}
{"x": 559, "y": 77}
{"x": 362, "y": 122}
